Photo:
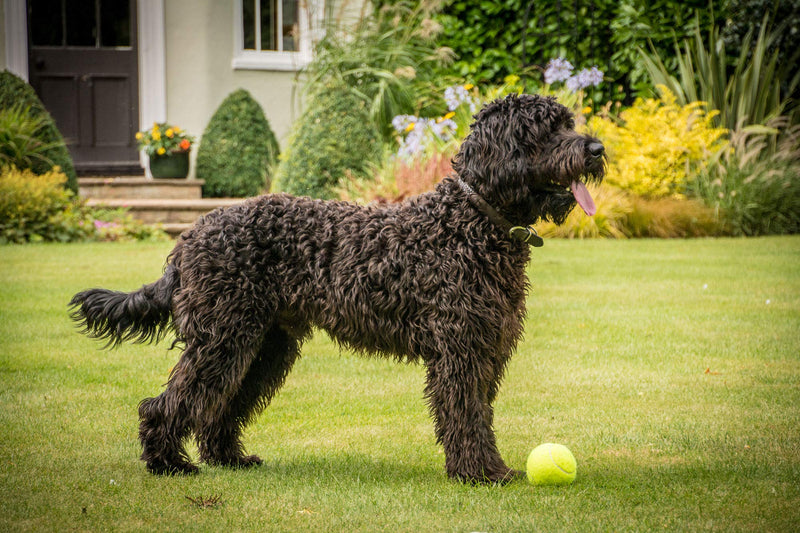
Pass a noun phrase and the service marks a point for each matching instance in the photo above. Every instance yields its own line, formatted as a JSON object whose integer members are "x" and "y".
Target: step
{"x": 174, "y": 229}
{"x": 137, "y": 187}
{"x": 165, "y": 211}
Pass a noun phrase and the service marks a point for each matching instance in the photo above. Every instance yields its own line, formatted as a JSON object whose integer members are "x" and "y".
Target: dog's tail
{"x": 140, "y": 316}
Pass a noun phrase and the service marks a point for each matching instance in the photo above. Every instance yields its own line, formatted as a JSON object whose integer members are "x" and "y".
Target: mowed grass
{"x": 671, "y": 369}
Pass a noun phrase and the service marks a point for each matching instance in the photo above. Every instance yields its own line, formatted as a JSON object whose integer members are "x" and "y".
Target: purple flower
{"x": 457, "y": 95}
{"x": 585, "y": 78}
{"x": 401, "y": 123}
{"x": 558, "y": 69}
{"x": 423, "y": 132}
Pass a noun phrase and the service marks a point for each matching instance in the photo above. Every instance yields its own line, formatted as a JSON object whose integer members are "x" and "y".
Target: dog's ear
{"x": 495, "y": 158}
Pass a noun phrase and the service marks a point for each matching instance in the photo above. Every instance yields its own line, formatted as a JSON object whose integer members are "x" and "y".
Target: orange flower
{"x": 185, "y": 144}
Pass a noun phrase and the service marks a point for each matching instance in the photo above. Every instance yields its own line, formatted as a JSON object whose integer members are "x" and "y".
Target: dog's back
{"x": 375, "y": 277}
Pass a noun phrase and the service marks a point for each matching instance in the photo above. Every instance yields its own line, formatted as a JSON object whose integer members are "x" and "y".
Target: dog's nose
{"x": 595, "y": 149}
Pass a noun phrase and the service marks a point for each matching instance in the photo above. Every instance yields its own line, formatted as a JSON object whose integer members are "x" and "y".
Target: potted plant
{"x": 168, "y": 149}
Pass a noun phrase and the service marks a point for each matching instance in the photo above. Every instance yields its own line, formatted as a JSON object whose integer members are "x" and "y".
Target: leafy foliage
{"x": 657, "y": 23}
{"x": 38, "y": 208}
{"x": 657, "y": 144}
{"x": 387, "y": 60}
{"x": 747, "y": 16}
{"x": 118, "y": 225}
{"x": 14, "y": 92}
{"x": 750, "y": 93}
{"x": 20, "y": 143}
{"x": 491, "y": 41}
{"x": 753, "y": 187}
{"x": 238, "y": 149}
{"x": 334, "y": 140}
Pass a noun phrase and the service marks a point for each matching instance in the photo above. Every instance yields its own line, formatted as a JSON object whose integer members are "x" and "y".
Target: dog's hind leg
{"x": 201, "y": 387}
{"x": 219, "y": 439}
{"x": 163, "y": 424}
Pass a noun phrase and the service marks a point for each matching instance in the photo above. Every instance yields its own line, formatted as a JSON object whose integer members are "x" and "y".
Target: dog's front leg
{"x": 459, "y": 402}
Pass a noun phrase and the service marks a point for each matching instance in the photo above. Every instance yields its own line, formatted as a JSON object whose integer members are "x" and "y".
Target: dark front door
{"x": 83, "y": 64}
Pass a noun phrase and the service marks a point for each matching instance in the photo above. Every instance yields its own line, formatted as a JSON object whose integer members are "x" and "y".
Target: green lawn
{"x": 671, "y": 369}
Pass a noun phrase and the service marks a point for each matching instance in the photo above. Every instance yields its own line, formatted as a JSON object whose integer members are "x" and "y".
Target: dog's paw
{"x": 496, "y": 478}
{"x": 164, "y": 469}
{"x": 247, "y": 462}
{"x": 243, "y": 461}
{"x": 511, "y": 475}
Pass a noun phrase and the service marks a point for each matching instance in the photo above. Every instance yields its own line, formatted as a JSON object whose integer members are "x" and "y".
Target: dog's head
{"x": 525, "y": 158}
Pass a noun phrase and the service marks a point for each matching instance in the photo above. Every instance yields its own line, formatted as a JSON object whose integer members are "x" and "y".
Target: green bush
{"x": 15, "y": 92}
{"x": 238, "y": 149}
{"x": 334, "y": 141}
{"x": 37, "y": 207}
{"x": 754, "y": 186}
{"x": 487, "y": 37}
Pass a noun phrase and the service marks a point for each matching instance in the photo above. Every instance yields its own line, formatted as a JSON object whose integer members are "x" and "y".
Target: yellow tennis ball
{"x": 551, "y": 464}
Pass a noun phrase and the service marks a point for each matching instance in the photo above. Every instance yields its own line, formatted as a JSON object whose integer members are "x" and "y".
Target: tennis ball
{"x": 551, "y": 464}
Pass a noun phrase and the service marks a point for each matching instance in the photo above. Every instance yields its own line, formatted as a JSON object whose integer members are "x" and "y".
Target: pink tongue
{"x": 583, "y": 197}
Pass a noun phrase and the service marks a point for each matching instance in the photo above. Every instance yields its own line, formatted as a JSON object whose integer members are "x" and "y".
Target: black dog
{"x": 439, "y": 278}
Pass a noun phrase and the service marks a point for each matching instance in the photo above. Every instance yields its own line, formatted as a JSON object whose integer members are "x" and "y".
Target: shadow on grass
{"x": 343, "y": 467}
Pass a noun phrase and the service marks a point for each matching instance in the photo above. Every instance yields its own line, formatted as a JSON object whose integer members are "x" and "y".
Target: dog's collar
{"x": 518, "y": 233}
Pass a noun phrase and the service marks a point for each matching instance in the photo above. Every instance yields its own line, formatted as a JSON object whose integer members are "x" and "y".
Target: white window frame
{"x": 271, "y": 59}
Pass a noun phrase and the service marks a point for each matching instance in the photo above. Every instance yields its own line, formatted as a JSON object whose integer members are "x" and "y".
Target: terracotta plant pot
{"x": 171, "y": 165}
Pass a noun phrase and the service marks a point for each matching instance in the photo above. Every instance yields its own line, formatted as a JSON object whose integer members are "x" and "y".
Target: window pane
{"x": 115, "y": 23}
{"x": 249, "y": 24}
{"x": 81, "y": 23}
{"x": 46, "y": 22}
{"x": 291, "y": 28}
{"x": 268, "y": 37}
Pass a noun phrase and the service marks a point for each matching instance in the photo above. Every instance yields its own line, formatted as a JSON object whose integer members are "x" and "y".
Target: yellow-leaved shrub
{"x": 38, "y": 208}
{"x": 656, "y": 145}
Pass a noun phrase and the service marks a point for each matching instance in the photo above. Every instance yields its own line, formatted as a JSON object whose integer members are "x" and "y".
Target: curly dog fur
{"x": 432, "y": 279}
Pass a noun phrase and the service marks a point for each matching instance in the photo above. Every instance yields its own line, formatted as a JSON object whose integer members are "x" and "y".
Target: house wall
{"x": 199, "y": 51}
{"x": 3, "y": 62}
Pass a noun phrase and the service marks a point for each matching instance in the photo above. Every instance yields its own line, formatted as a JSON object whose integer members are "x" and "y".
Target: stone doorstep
{"x": 139, "y": 187}
{"x": 175, "y": 204}
{"x": 175, "y": 215}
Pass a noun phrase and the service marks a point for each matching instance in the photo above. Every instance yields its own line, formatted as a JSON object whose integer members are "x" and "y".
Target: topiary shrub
{"x": 14, "y": 92}
{"x": 238, "y": 149}
{"x": 333, "y": 141}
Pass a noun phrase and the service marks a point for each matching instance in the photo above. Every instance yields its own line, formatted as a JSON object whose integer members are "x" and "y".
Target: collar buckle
{"x": 526, "y": 234}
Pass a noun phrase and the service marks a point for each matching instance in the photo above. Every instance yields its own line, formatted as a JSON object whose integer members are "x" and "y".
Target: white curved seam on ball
{"x": 550, "y": 451}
